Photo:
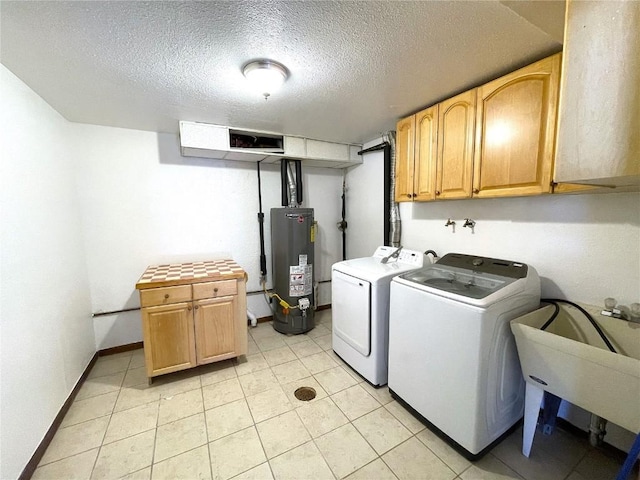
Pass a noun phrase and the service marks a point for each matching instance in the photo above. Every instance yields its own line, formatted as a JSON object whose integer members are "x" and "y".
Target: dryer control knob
{"x": 477, "y": 262}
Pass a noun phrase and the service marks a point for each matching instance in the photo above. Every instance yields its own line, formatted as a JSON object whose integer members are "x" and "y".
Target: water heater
{"x": 292, "y": 252}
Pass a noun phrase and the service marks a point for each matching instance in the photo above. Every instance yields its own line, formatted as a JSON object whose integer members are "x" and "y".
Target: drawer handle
{"x": 166, "y": 295}
{"x": 215, "y": 290}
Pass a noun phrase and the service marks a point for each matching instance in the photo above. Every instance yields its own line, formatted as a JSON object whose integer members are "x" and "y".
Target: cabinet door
{"x": 598, "y": 140}
{"x": 424, "y": 176}
{"x": 405, "y": 138}
{"x": 215, "y": 321}
{"x": 169, "y": 343}
{"x": 455, "y": 146}
{"x": 515, "y": 131}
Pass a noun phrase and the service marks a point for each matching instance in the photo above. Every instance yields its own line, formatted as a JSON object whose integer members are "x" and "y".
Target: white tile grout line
{"x": 294, "y": 408}
{"x": 109, "y": 422}
{"x": 155, "y": 439}
{"x": 206, "y": 428}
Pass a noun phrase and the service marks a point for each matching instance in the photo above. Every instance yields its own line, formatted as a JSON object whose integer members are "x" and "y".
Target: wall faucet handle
{"x": 449, "y": 222}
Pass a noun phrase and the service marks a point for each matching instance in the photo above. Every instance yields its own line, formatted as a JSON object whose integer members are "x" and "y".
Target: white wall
{"x": 46, "y": 330}
{"x": 365, "y": 204}
{"x": 143, "y": 204}
{"x": 584, "y": 247}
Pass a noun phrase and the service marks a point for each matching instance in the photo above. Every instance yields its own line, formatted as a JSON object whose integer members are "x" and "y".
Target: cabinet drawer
{"x": 165, "y": 296}
{"x": 214, "y": 289}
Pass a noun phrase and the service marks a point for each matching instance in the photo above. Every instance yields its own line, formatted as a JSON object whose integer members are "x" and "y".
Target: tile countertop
{"x": 187, "y": 273}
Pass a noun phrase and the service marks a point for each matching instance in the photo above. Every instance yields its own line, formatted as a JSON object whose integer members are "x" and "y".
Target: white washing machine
{"x": 452, "y": 356}
{"x": 360, "y": 308}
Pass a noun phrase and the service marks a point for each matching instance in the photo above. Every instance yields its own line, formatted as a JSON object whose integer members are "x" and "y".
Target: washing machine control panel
{"x": 411, "y": 257}
{"x": 504, "y": 268}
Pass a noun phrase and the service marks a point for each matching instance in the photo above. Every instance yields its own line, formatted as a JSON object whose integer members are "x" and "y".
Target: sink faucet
{"x": 469, "y": 223}
{"x": 393, "y": 254}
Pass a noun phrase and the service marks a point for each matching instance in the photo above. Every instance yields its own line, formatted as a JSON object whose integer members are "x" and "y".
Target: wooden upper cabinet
{"x": 599, "y": 119}
{"x": 426, "y": 142}
{"x": 455, "y": 146}
{"x": 405, "y": 138}
{"x": 515, "y": 131}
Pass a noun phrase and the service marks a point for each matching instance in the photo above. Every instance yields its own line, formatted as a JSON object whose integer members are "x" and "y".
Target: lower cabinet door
{"x": 215, "y": 322}
{"x": 169, "y": 343}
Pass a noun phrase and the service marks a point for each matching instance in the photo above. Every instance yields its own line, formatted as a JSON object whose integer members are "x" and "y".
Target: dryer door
{"x": 351, "y": 310}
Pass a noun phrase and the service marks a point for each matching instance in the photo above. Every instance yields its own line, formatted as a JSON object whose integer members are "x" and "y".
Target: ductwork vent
{"x": 216, "y": 141}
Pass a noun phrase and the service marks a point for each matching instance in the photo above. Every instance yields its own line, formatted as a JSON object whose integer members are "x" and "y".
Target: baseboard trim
{"x": 270, "y": 317}
{"x": 32, "y": 464}
{"x": 120, "y": 348}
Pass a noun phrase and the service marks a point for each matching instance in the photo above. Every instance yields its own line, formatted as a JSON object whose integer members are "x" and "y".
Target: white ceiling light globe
{"x": 265, "y": 76}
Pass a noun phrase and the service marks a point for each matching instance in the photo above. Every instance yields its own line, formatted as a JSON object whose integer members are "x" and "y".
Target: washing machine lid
{"x": 468, "y": 276}
{"x": 373, "y": 270}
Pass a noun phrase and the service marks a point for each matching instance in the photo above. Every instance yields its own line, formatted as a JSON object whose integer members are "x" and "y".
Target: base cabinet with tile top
{"x": 192, "y": 314}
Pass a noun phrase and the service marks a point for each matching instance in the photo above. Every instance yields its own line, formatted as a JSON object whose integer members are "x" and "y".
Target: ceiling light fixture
{"x": 265, "y": 76}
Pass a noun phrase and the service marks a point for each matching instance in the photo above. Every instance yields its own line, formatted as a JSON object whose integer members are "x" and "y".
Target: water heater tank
{"x": 292, "y": 242}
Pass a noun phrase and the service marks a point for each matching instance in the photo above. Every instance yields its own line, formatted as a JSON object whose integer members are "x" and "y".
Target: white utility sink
{"x": 570, "y": 360}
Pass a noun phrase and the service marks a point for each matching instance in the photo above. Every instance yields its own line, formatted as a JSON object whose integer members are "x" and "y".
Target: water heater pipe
{"x": 252, "y": 318}
{"x": 284, "y": 197}
{"x": 263, "y": 256}
{"x": 342, "y": 224}
{"x": 299, "y": 181}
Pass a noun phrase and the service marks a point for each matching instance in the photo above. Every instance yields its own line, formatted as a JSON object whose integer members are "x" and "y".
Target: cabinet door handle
{"x": 409, "y": 195}
{"x": 196, "y": 307}
{"x": 166, "y": 295}
{"x": 475, "y": 190}
{"x": 437, "y": 192}
{"x": 189, "y": 308}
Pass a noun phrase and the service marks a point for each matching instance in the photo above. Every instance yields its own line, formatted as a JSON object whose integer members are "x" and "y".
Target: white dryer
{"x": 360, "y": 308}
{"x": 452, "y": 356}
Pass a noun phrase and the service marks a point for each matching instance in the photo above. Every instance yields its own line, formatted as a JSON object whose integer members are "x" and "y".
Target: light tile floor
{"x": 239, "y": 419}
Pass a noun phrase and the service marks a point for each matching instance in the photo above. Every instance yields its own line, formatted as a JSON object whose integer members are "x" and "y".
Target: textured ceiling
{"x": 356, "y": 67}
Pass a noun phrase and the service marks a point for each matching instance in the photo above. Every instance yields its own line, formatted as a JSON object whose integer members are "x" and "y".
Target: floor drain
{"x": 305, "y": 394}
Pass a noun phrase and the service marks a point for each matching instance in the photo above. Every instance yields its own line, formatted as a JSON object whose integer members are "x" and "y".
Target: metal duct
{"x": 394, "y": 212}
{"x": 291, "y": 181}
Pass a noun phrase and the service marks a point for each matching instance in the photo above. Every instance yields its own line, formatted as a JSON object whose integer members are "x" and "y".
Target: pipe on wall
{"x": 394, "y": 210}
